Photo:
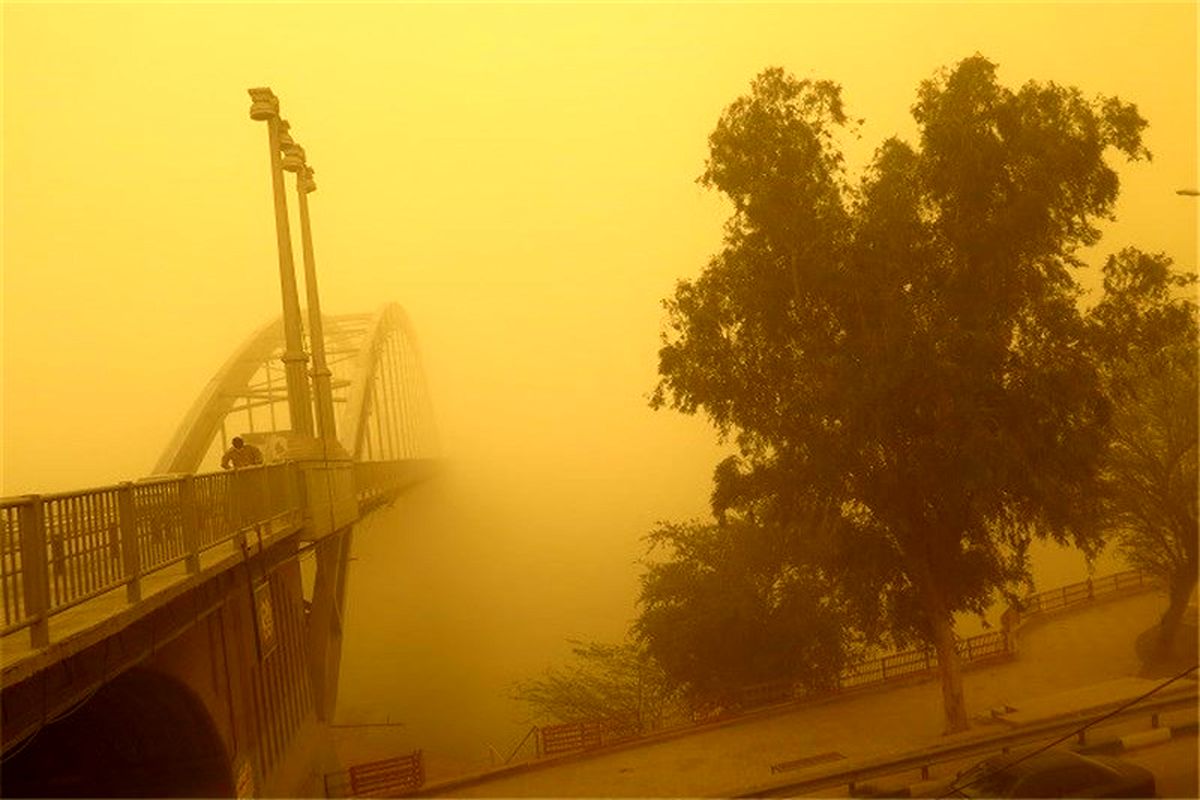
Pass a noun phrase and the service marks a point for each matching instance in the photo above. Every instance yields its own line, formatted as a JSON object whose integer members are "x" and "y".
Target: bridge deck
{"x": 77, "y": 566}
{"x": 84, "y": 624}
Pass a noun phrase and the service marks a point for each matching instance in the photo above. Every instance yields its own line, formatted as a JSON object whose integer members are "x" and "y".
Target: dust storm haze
{"x": 522, "y": 180}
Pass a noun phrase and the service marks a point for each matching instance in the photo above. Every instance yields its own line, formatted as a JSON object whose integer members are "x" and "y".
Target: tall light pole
{"x": 265, "y": 106}
{"x": 294, "y": 161}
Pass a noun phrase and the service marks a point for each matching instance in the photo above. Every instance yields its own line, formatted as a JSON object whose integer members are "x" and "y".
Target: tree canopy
{"x": 900, "y": 359}
{"x": 726, "y": 607}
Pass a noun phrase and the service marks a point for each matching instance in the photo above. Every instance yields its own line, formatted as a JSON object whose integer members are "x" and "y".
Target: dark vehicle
{"x": 1055, "y": 773}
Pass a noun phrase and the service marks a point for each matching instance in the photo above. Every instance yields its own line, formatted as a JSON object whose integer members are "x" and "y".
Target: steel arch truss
{"x": 379, "y": 389}
{"x": 387, "y": 415}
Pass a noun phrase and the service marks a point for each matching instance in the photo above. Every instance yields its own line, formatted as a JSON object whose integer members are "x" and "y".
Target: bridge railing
{"x": 60, "y": 550}
{"x": 375, "y": 482}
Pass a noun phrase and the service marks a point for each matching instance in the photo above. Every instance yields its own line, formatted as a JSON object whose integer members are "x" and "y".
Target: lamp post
{"x": 294, "y": 161}
{"x": 265, "y": 106}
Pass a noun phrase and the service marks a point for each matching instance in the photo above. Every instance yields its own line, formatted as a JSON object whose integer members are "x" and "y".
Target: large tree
{"x": 1144, "y": 331}
{"x": 900, "y": 360}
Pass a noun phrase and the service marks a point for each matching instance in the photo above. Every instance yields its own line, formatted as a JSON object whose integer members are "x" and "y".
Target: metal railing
{"x": 1075, "y": 593}
{"x": 572, "y": 737}
{"x": 876, "y": 671}
{"x": 389, "y": 777}
{"x": 377, "y": 483}
{"x": 60, "y": 550}
{"x": 971, "y": 650}
{"x": 374, "y": 481}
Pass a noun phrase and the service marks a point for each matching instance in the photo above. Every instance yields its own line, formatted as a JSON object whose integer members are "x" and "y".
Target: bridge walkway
{"x": 1083, "y": 647}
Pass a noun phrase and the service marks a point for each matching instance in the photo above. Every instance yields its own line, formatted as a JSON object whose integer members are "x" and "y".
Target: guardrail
{"x": 60, "y": 550}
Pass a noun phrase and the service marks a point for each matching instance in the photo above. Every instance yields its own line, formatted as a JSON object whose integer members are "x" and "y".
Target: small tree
{"x": 619, "y": 682}
{"x": 902, "y": 362}
{"x": 730, "y": 606}
{"x": 1145, "y": 334}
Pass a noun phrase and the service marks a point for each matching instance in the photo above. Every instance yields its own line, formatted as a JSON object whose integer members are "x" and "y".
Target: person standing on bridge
{"x": 241, "y": 455}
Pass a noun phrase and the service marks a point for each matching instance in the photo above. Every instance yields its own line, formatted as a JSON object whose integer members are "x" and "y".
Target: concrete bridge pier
{"x": 325, "y": 621}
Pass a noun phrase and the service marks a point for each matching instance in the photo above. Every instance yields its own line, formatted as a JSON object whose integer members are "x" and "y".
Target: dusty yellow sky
{"x": 519, "y": 177}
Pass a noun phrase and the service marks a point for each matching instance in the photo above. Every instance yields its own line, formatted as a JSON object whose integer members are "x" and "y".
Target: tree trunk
{"x": 942, "y": 625}
{"x": 953, "y": 703}
{"x": 1181, "y": 586}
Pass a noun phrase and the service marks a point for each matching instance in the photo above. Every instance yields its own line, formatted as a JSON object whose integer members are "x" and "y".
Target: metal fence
{"x": 60, "y": 550}
{"x": 1076, "y": 593}
{"x": 971, "y": 650}
{"x": 876, "y": 671}
{"x": 571, "y": 737}
{"x": 375, "y": 481}
{"x": 378, "y": 483}
{"x": 389, "y": 777}
{"x": 11, "y": 569}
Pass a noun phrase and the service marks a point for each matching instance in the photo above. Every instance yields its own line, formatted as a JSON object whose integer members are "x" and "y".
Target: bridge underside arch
{"x": 143, "y": 734}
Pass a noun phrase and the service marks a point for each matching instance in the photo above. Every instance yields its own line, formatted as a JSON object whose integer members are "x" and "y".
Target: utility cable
{"x": 956, "y": 788}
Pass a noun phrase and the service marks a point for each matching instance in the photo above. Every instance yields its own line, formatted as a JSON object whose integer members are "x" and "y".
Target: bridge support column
{"x": 324, "y": 625}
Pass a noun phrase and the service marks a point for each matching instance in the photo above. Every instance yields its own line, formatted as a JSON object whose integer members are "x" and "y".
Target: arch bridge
{"x": 181, "y": 634}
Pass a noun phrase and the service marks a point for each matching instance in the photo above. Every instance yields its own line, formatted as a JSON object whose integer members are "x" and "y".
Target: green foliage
{"x": 1145, "y": 334}
{"x": 730, "y": 606}
{"x": 901, "y": 362}
{"x": 619, "y": 682}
